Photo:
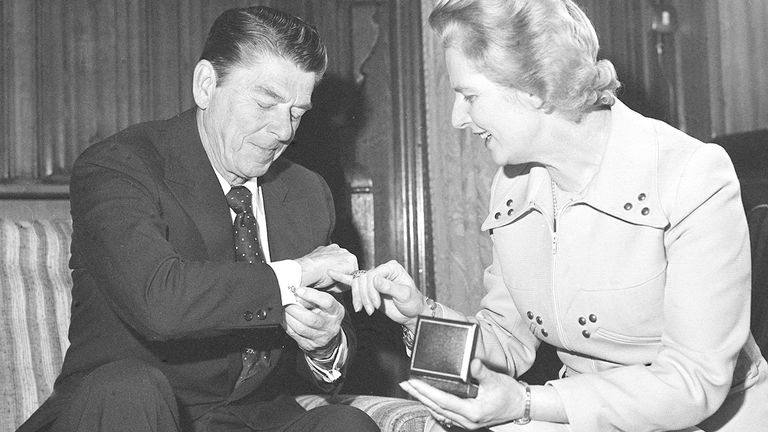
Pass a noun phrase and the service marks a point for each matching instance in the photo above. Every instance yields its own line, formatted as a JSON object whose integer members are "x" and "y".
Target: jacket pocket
{"x": 621, "y": 338}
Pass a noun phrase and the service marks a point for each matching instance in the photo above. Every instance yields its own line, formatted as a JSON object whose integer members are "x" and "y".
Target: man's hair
{"x": 544, "y": 47}
{"x": 242, "y": 36}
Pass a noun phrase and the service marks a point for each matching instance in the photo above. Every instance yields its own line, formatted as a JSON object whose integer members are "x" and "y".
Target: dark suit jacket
{"x": 155, "y": 276}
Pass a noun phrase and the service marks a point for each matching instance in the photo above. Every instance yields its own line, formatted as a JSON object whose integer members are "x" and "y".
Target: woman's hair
{"x": 544, "y": 47}
{"x": 241, "y": 36}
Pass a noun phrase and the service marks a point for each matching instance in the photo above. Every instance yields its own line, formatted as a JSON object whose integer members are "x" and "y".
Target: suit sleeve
{"x": 346, "y": 326}
{"x": 706, "y": 315}
{"x": 120, "y": 239}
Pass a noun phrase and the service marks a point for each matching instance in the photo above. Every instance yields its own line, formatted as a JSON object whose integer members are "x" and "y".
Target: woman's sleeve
{"x": 507, "y": 341}
{"x": 706, "y": 315}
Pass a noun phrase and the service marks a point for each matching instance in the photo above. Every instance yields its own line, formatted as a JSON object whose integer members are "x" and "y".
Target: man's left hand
{"x": 314, "y": 322}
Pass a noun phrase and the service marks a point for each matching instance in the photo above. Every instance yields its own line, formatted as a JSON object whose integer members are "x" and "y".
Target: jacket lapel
{"x": 287, "y": 217}
{"x": 190, "y": 177}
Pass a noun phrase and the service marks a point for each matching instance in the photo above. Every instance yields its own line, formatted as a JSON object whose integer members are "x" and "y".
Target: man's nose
{"x": 281, "y": 126}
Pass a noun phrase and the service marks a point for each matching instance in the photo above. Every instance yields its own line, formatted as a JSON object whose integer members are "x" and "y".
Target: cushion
{"x": 391, "y": 414}
{"x": 35, "y": 299}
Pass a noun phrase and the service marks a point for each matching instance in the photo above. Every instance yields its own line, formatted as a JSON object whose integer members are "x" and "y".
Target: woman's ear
{"x": 534, "y": 101}
{"x": 203, "y": 83}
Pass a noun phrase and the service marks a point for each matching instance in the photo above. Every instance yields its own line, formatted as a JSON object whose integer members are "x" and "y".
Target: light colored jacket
{"x": 643, "y": 287}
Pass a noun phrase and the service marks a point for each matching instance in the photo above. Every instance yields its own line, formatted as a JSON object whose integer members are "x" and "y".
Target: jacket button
{"x": 261, "y": 314}
{"x": 628, "y": 206}
{"x": 645, "y": 211}
{"x": 582, "y": 321}
{"x": 539, "y": 320}
{"x": 641, "y": 197}
{"x": 544, "y": 333}
{"x": 509, "y": 202}
{"x": 497, "y": 215}
{"x": 586, "y": 334}
{"x": 510, "y": 211}
{"x": 529, "y": 314}
{"x": 592, "y": 318}
{"x": 247, "y": 315}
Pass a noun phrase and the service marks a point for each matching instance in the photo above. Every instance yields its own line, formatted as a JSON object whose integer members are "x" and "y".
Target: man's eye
{"x": 295, "y": 116}
{"x": 470, "y": 98}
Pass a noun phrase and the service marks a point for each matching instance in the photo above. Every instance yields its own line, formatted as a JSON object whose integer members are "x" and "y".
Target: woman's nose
{"x": 459, "y": 115}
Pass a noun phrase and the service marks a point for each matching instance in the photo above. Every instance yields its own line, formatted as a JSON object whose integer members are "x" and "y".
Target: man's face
{"x": 251, "y": 117}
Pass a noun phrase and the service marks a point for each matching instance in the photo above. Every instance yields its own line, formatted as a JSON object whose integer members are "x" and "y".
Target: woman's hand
{"x": 389, "y": 287}
{"x": 500, "y": 399}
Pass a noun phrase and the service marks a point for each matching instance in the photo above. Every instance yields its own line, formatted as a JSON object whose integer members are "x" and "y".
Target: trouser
{"x": 132, "y": 396}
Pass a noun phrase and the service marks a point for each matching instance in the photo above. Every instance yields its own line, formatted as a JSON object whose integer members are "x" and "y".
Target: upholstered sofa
{"x": 34, "y": 318}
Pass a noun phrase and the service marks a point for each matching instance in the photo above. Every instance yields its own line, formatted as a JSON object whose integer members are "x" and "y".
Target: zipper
{"x": 555, "y": 299}
{"x": 553, "y": 289}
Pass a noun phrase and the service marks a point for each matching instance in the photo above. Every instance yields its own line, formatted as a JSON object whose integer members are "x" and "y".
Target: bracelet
{"x": 526, "y": 418}
{"x": 432, "y": 305}
{"x": 407, "y": 338}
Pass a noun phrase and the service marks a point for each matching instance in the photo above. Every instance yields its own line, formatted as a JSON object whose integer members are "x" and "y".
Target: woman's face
{"x": 507, "y": 120}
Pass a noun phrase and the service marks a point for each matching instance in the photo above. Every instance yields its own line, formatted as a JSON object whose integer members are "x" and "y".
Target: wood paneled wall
{"x": 76, "y": 71}
{"x": 739, "y": 29}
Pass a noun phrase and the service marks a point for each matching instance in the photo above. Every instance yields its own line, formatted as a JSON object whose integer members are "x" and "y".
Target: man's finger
{"x": 340, "y": 277}
{"x": 321, "y": 299}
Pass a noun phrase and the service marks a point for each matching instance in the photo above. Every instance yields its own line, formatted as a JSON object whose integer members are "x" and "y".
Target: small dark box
{"x": 442, "y": 350}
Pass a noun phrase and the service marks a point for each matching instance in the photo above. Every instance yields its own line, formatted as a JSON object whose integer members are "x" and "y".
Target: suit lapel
{"x": 287, "y": 217}
{"x": 191, "y": 179}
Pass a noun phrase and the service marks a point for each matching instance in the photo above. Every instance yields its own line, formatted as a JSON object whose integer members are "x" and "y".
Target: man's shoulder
{"x": 146, "y": 142}
{"x": 292, "y": 172}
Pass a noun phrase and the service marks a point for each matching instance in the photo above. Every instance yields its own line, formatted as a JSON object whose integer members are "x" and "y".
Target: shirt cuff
{"x": 288, "y": 273}
{"x": 329, "y": 370}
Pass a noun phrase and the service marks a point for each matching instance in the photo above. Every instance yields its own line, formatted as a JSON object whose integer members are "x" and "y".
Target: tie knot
{"x": 239, "y": 199}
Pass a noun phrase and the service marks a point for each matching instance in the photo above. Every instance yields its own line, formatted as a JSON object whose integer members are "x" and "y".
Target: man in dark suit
{"x": 199, "y": 258}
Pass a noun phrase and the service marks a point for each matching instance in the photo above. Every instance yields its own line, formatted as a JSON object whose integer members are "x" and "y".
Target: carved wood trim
{"x": 410, "y": 155}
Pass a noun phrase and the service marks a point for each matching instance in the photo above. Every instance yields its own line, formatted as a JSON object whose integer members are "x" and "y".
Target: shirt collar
{"x": 252, "y": 184}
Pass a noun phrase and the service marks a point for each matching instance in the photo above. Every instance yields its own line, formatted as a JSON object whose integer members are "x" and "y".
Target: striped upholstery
{"x": 391, "y": 414}
{"x": 34, "y": 313}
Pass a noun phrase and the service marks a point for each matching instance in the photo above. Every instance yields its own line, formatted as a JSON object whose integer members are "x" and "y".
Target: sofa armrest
{"x": 391, "y": 414}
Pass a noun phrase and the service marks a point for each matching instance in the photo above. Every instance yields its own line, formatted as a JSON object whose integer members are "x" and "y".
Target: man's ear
{"x": 203, "y": 83}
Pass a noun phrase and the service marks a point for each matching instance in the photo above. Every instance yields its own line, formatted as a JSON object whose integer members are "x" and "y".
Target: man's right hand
{"x": 315, "y": 265}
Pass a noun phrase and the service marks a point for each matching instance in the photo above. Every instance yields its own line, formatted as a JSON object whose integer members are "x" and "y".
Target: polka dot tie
{"x": 245, "y": 229}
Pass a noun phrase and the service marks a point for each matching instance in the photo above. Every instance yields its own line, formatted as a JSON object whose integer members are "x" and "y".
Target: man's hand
{"x": 315, "y": 328}
{"x": 315, "y": 265}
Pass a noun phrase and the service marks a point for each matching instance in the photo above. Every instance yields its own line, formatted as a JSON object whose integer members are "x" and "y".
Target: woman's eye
{"x": 470, "y": 98}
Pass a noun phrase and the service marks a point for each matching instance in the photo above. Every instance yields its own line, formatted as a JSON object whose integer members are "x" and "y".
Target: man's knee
{"x": 127, "y": 378}
{"x": 125, "y": 395}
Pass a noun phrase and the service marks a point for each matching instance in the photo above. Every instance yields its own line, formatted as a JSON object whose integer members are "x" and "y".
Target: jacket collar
{"x": 626, "y": 185}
